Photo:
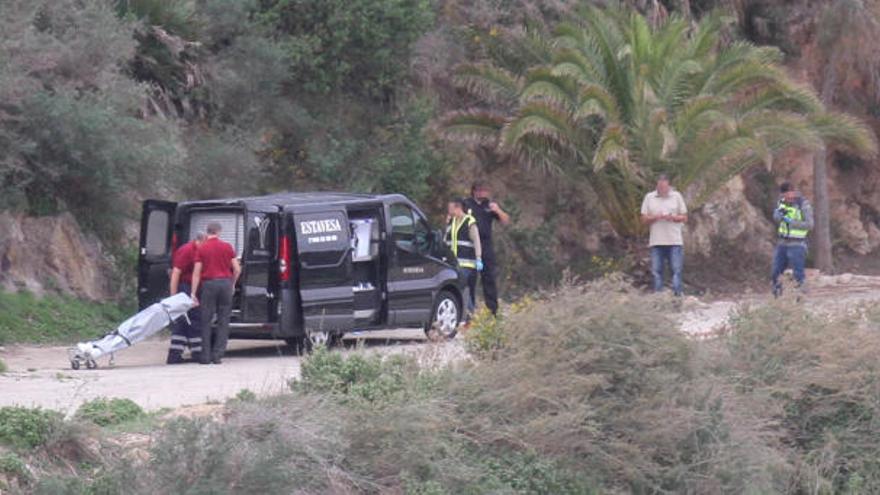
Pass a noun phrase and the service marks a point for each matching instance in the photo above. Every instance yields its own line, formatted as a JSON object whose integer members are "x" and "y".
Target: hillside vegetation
{"x": 106, "y": 102}
{"x": 593, "y": 390}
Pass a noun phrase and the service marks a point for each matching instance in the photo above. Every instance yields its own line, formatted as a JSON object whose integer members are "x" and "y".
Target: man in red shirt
{"x": 185, "y": 332}
{"x": 217, "y": 270}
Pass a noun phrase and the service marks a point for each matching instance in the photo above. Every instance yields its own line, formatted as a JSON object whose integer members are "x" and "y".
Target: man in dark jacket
{"x": 486, "y": 211}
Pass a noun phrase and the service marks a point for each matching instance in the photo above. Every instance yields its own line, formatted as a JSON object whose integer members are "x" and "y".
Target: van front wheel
{"x": 446, "y": 317}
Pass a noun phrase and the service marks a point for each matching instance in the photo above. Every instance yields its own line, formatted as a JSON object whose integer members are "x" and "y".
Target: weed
{"x": 108, "y": 412}
{"x": 486, "y": 337}
{"x": 25, "y": 428}
{"x": 245, "y": 395}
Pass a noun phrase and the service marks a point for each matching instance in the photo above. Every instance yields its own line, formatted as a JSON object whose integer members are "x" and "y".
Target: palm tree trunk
{"x": 822, "y": 208}
{"x": 822, "y": 212}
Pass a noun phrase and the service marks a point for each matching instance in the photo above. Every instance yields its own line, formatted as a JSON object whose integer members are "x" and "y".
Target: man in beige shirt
{"x": 664, "y": 210}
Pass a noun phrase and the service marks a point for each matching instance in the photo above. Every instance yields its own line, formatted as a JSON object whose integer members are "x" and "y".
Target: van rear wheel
{"x": 446, "y": 317}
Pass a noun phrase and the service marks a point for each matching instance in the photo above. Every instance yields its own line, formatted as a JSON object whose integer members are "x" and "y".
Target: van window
{"x": 157, "y": 233}
{"x": 403, "y": 226}
{"x": 261, "y": 236}
{"x": 232, "y": 223}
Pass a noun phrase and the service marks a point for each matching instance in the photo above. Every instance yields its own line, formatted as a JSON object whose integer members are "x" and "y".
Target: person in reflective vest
{"x": 794, "y": 218}
{"x": 463, "y": 238}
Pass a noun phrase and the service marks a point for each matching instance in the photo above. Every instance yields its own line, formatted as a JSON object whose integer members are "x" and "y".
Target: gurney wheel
{"x": 91, "y": 364}
{"x": 74, "y": 364}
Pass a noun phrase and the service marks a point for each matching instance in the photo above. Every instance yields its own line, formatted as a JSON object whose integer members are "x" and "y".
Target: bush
{"x": 108, "y": 412}
{"x": 372, "y": 379}
{"x": 26, "y": 428}
{"x": 3, "y": 367}
{"x": 13, "y": 466}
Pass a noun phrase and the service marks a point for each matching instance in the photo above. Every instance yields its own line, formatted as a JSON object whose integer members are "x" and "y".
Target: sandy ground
{"x": 41, "y": 376}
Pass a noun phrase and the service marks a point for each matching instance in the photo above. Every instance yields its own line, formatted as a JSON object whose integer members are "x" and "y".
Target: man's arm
{"x": 175, "y": 281}
{"x": 236, "y": 271}
{"x": 197, "y": 279}
{"x": 807, "y": 222}
{"x": 682, "y": 216}
{"x": 474, "y": 233}
{"x": 503, "y": 217}
{"x": 777, "y": 213}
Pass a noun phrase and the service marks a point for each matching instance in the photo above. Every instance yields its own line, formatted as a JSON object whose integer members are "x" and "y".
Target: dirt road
{"x": 41, "y": 376}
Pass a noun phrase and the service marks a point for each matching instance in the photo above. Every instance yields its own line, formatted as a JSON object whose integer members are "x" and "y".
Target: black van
{"x": 315, "y": 265}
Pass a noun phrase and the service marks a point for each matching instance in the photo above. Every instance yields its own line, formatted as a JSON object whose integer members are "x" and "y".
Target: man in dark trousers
{"x": 217, "y": 270}
{"x": 185, "y": 332}
{"x": 481, "y": 206}
{"x": 463, "y": 238}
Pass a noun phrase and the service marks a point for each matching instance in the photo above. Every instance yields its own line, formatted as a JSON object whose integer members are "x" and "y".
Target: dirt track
{"x": 41, "y": 376}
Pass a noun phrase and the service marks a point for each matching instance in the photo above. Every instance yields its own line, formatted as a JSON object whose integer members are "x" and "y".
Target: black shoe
{"x": 174, "y": 358}
{"x": 202, "y": 361}
{"x": 217, "y": 361}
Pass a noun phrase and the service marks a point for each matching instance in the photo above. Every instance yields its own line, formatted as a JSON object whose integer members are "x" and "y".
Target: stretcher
{"x": 150, "y": 321}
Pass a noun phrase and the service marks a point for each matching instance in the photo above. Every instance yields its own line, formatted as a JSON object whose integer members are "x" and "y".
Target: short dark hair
{"x": 214, "y": 228}
{"x": 786, "y": 187}
{"x": 662, "y": 177}
{"x": 478, "y": 184}
{"x": 457, "y": 202}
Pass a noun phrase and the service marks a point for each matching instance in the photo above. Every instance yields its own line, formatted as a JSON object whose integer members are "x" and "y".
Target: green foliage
{"x": 27, "y": 428}
{"x": 109, "y": 412}
{"x": 3, "y": 367}
{"x": 245, "y": 395}
{"x": 369, "y": 379}
{"x": 13, "y": 466}
{"x": 613, "y": 100}
{"x": 25, "y": 318}
{"x": 359, "y": 46}
{"x": 485, "y": 335}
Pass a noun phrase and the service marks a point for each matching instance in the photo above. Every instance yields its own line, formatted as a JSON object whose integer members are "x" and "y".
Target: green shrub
{"x": 13, "y": 466}
{"x": 24, "y": 427}
{"x": 108, "y": 412}
{"x": 245, "y": 395}
{"x": 3, "y": 367}
{"x": 372, "y": 379}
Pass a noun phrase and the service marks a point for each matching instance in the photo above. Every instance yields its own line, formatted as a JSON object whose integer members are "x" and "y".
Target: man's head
{"x": 663, "y": 186}
{"x": 455, "y": 207}
{"x": 481, "y": 191}
{"x": 214, "y": 228}
{"x": 200, "y": 238}
{"x": 789, "y": 193}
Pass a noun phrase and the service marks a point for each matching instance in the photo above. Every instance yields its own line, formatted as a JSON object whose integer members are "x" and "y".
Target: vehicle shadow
{"x": 280, "y": 348}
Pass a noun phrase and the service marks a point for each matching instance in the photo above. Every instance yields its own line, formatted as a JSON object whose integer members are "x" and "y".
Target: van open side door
{"x": 323, "y": 246}
{"x": 154, "y": 250}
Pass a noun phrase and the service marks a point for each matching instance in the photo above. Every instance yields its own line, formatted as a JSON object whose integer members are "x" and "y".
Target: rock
{"x": 39, "y": 254}
{"x": 730, "y": 218}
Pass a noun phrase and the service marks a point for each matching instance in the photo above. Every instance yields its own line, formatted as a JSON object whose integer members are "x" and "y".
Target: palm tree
{"x": 612, "y": 101}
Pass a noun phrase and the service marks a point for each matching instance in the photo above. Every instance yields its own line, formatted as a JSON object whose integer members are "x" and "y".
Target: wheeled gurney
{"x": 146, "y": 323}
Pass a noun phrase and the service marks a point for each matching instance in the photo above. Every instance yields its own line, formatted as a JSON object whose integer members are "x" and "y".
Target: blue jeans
{"x": 667, "y": 255}
{"x": 789, "y": 255}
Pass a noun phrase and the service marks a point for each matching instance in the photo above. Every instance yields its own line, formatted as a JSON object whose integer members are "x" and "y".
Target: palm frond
{"x": 489, "y": 82}
{"x": 542, "y": 83}
{"x": 846, "y": 132}
{"x": 471, "y": 126}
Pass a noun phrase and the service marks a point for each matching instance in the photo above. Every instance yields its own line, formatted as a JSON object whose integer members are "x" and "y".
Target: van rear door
{"x": 259, "y": 282}
{"x": 324, "y": 261}
{"x": 154, "y": 255}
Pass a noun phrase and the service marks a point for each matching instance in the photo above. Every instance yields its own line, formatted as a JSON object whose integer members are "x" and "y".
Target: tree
{"x": 616, "y": 101}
